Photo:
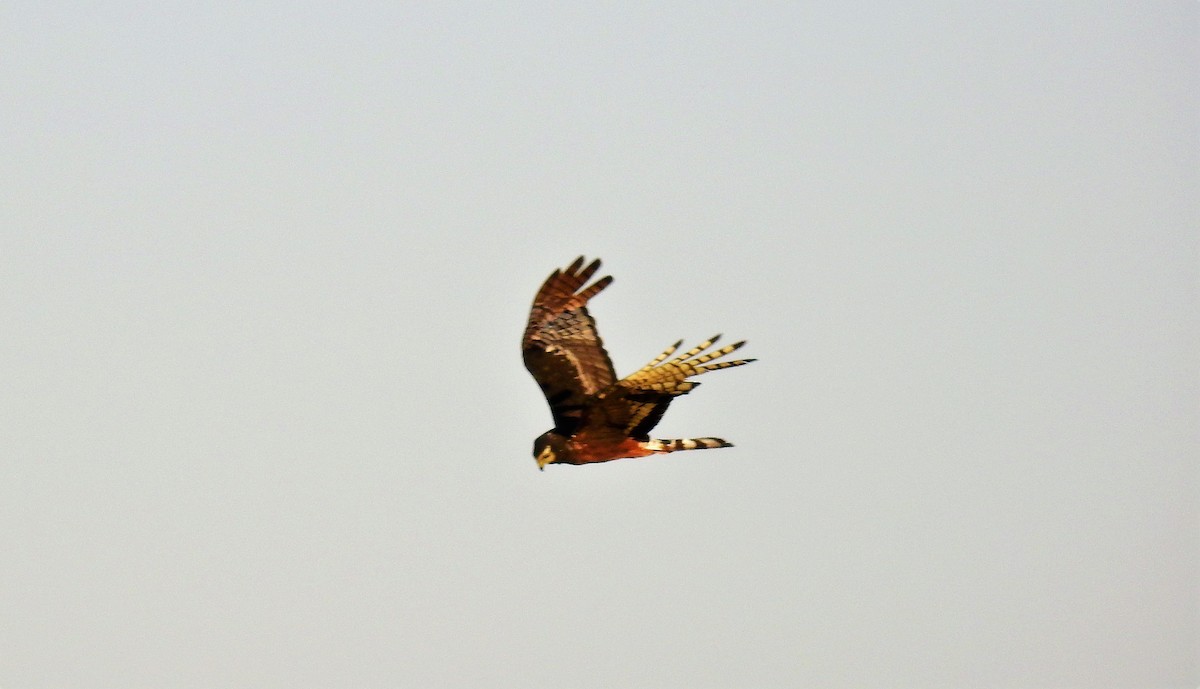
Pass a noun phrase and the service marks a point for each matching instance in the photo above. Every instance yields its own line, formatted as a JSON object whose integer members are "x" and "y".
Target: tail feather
{"x": 678, "y": 444}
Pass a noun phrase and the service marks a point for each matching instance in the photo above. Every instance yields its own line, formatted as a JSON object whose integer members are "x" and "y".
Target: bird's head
{"x": 549, "y": 448}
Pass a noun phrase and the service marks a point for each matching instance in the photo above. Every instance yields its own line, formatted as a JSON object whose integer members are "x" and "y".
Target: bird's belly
{"x": 586, "y": 451}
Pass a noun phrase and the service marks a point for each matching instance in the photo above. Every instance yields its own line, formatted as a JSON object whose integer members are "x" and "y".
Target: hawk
{"x": 598, "y": 418}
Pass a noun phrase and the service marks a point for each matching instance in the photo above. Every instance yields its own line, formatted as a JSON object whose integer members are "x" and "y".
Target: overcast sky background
{"x": 264, "y": 269}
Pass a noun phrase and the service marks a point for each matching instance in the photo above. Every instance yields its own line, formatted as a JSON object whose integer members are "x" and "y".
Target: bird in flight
{"x": 598, "y": 418}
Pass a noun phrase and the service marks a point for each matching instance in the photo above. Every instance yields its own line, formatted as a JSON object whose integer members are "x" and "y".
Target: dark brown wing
{"x": 638, "y": 401}
{"x": 561, "y": 347}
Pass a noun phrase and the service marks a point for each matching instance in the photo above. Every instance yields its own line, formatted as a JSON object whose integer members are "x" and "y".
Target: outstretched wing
{"x": 637, "y": 403}
{"x": 561, "y": 347}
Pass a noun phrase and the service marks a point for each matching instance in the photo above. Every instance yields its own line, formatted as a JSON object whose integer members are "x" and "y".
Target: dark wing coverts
{"x": 561, "y": 347}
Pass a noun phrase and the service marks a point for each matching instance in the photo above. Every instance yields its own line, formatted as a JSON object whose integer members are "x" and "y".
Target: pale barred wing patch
{"x": 637, "y": 403}
{"x": 561, "y": 347}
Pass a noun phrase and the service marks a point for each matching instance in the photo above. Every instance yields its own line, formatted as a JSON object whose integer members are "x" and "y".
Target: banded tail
{"x": 677, "y": 444}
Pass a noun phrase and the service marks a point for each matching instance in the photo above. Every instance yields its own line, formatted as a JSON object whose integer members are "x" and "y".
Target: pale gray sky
{"x": 264, "y": 269}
